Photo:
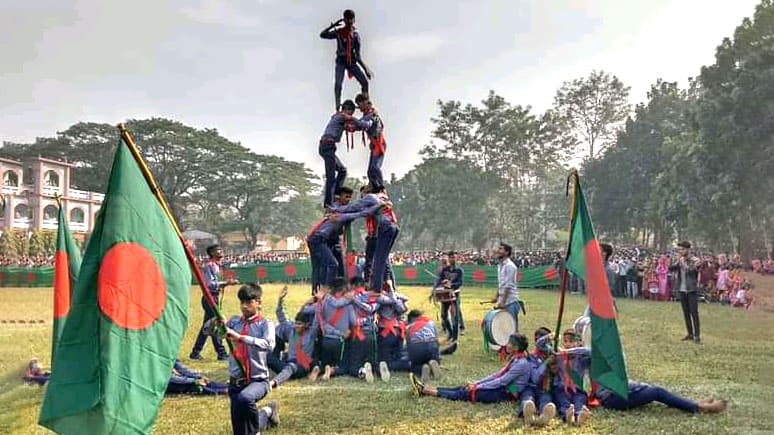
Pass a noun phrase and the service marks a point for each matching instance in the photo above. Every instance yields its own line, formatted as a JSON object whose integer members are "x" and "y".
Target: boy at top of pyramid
{"x": 347, "y": 53}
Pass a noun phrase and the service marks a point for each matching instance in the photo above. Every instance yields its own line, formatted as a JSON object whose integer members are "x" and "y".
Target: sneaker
{"x": 327, "y": 374}
{"x": 274, "y": 419}
{"x": 425, "y": 373}
{"x": 384, "y": 371}
{"x": 435, "y": 369}
{"x": 548, "y": 412}
{"x": 223, "y": 357}
{"x": 529, "y": 411}
{"x": 583, "y": 417}
{"x": 196, "y": 356}
{"x": 369, "y": 373}
{"x": 569, "y": 414}
{"x": 687, "y": 337}
{"x": 314, "y": 374}
{"x": 462, "y": 332}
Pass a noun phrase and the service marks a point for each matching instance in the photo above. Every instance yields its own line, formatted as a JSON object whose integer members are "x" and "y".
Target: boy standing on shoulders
{"x": 253, "y": 336}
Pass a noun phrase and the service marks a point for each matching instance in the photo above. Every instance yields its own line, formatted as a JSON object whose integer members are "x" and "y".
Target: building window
{"x": 49, "y": 213}
{"x": 21, "y": 211}
{"x": 76, "y": 216}
{"x": 51, "y": 179}
{"x": 10, "y": 179}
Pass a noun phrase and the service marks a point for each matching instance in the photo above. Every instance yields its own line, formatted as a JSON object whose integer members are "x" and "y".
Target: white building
{"x": 29, "y": 189}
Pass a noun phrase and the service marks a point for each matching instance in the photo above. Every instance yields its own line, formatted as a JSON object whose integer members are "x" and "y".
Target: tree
{"x": 593, "y": 108}
{"x": 8, "y": 245}
{"x": 36, "y": 246}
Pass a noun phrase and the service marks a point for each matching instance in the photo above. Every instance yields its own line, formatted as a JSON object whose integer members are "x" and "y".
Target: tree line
{"x": 689, "y": 163}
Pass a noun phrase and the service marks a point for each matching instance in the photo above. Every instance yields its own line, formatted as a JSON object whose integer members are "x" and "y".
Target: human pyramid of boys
{"x": 355, "y": 327}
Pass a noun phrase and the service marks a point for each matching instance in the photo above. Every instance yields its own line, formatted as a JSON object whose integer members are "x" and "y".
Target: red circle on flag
{"x": 131, "y": 290}
{"x": 550, "y": 273}
{"x": 61, "y": 284}
{"x": 229, "y": 274}
{"x": 410, "y": 273}
{"x": 290, "y": 270}
{"x": 260, "y": 272}
{"x": 30, "y": 276}
{"x": 479, "y": 275}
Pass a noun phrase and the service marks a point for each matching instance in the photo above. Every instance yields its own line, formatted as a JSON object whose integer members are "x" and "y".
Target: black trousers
{"x": 690, "y": 303}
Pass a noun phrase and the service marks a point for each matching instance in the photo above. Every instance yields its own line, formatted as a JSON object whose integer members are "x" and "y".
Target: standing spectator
{"x": 686, "y": 284}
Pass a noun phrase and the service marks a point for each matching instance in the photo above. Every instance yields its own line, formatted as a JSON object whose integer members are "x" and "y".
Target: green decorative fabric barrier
{"x": 485, "y": 276}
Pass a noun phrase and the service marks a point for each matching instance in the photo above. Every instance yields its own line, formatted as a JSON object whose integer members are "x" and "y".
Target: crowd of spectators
{"x": 647, "y": 275}
{"x": 26, "y": 261}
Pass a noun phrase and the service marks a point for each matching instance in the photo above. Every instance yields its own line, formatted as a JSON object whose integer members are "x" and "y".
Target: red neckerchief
{"x": 370, "y": 223}
{"x": 514, "y": 357}
{"x": 389, "y": 327}
{"x": 357, "y": 330}
{"x": 346, "y": 33}
{"x": 302, "y": 357}
{"x": 418, "y": 324}
{"x": 240, "y": 351}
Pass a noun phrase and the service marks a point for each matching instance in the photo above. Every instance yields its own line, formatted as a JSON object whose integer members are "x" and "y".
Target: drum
{"x": 582, "y": 326}
{"x": 498, "y": 326}
{"x": 443, "y": 294}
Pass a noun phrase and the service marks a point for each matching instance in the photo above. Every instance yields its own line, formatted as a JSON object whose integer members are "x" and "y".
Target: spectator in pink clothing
{"x": 662, "y": 272}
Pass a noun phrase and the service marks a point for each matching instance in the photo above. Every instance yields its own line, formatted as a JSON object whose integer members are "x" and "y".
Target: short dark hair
{"x": 365, "y": 188}
{"x": 349, "y": 13}
{"x": 541, "y": 332}
{"x": 519, "y": 341}
{"x": 361, "y": 98}
{"x": 450, "y": 253}
{"x": 413, "y": 315}
{"x": 606, "y": 249}
{"x": 685, "y": 244}
{"x": 348, "y": 105}
{"x": 250, "y": 291}
{"x": 304, "y": 317}
{"x": 211, "y": 249}
{"x": 507, "y": 248}
{"x": 339, "y": 283}
{"x": 345, "y": 190}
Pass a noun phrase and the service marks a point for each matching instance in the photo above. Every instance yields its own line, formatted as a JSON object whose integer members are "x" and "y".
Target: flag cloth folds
{"x": 67, "y": 263}
{"x": 128, "y": 315}
{"x": 584, "y": 259}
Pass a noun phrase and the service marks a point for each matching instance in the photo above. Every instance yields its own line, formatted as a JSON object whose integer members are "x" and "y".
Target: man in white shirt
{"x": 507, "y": 297}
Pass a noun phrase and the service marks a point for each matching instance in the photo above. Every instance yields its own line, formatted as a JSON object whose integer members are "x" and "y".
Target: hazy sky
{"x": 257, "y": 71}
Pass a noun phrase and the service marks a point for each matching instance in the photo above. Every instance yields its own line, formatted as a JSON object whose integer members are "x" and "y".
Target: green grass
{"x": 735, "y": 362}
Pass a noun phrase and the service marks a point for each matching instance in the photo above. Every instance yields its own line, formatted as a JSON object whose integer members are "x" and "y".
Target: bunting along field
{"x": 735, "y": 362}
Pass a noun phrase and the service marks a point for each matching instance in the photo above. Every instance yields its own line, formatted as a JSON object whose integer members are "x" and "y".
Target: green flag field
{"x": 734, "y": 363}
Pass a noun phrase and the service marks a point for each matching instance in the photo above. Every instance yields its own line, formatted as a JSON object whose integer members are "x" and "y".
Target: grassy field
{"x": 735, "y": 362}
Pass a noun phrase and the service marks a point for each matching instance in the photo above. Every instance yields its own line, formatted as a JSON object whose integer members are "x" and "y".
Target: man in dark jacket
{"x": 686, "y": 269}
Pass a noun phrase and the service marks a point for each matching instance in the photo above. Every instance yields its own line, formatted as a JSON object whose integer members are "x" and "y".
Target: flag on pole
{"x": 67, "y": 264}
{"x": 128, "y": 315}
{"x": 584, "y": 259}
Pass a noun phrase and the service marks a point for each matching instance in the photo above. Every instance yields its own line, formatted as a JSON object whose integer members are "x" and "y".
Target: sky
{"x": 257, "y": 71}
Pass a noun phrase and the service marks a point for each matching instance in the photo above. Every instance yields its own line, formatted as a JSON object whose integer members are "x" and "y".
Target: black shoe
{"x": 688, "y": 337}
{"x": 195, "y": 355}
{"x": 697, "y": 340}
{"x": 223, "y": 357}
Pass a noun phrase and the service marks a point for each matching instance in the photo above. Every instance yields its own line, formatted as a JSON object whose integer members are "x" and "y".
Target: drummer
{"x": 507, "y": 297}
{"x": 450, "y": 279}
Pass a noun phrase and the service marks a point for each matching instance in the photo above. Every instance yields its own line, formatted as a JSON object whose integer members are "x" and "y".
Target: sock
{"x": 361, "y": 373}
{"x": 267, "y": 410}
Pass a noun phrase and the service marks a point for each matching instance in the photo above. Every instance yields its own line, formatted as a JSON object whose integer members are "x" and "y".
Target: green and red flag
{"x": 584, "y": 259}
{"x": 67, "y": 264}
{"x": 128, "y": 315}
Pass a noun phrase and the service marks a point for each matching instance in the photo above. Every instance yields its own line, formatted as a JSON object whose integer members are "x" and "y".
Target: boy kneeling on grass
{"x": 254, "y": 340}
